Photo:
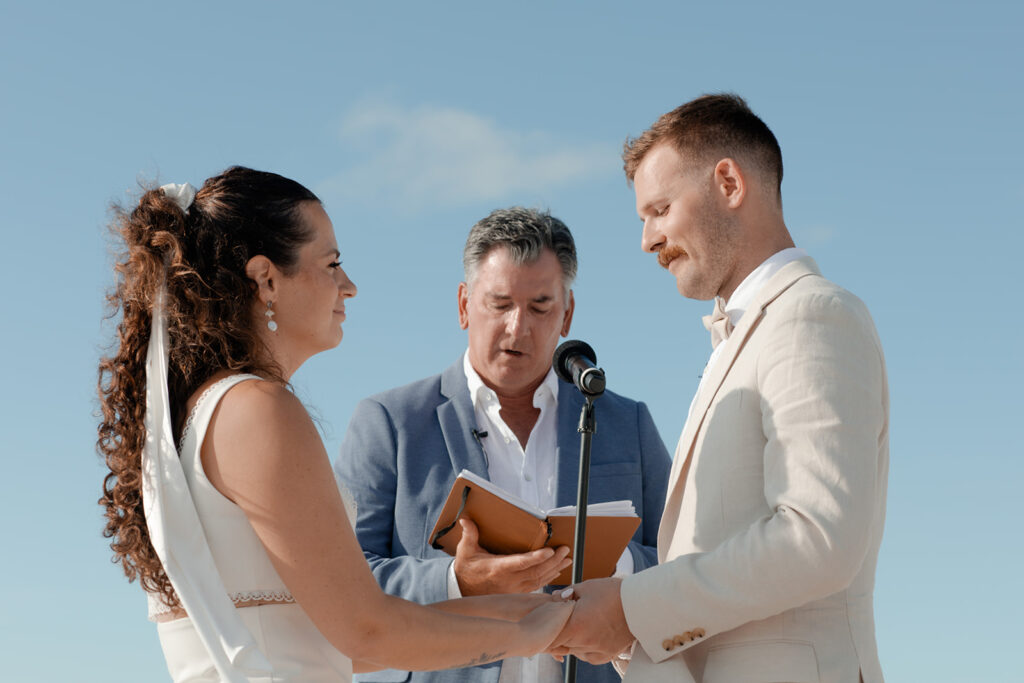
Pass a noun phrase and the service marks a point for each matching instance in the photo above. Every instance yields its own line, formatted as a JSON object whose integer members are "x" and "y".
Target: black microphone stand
{"x": 575, "y": 362}
{"x": 587, "y": 428}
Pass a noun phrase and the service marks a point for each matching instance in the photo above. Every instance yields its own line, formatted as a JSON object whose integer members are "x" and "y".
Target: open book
{"x": 508, "y": 524}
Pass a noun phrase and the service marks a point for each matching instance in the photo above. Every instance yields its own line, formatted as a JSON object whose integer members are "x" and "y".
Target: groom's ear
{"x": 730, "y": 182}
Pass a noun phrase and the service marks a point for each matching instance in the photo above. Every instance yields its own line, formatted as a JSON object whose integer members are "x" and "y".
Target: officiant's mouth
{"x": 513, "y": 352}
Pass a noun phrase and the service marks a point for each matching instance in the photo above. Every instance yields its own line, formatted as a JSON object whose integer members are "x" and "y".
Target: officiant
{"x": 500, "y": 412}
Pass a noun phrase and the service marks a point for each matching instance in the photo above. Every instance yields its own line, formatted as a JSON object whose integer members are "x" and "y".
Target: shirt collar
{"x": 752, "y": 283}
{"x": 480, "y": 393}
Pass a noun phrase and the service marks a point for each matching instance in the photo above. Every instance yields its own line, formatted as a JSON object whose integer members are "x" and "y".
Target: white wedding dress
{"x": 285, "y": 635}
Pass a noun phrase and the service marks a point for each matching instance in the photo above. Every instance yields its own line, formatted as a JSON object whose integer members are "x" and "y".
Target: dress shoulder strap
{"x": 202, "y": 411}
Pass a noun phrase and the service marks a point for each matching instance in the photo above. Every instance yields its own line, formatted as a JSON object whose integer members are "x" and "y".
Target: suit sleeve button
{"x": 698, "y": 633}
{"x": 668, "y": 644}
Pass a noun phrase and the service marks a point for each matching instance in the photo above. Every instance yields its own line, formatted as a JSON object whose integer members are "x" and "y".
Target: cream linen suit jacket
{"x": 776, "y": 502}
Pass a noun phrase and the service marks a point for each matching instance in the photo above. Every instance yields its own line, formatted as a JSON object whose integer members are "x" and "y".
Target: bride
{"x": 220, "y": 498}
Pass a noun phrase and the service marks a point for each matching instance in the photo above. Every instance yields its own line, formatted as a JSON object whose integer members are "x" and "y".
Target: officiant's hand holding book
{"x": 507, "y": 524}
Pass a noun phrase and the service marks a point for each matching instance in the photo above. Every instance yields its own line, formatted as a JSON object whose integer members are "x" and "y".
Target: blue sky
{"x": 900, "y": 129}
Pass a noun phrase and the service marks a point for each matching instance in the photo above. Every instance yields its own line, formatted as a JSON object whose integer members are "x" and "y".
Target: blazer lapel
{"x": 781, "y": 281}
{"x": 458, "y": 420}
{"x": 567, "y": 448}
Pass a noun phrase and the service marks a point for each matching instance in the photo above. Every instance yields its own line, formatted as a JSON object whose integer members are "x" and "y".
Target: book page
{"x": 612, "y": 508}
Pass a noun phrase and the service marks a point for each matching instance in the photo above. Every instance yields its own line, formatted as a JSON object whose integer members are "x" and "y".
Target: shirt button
{"x": 527, "y": 477}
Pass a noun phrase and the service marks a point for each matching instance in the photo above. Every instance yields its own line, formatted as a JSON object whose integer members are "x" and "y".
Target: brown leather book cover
{"x": 508, "y": 528}
{"x": 605, "y": 539}
{"x": 504, "y": 527}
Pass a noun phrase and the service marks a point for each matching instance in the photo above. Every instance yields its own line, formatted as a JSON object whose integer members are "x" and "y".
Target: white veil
{"x": 177, "y": 534}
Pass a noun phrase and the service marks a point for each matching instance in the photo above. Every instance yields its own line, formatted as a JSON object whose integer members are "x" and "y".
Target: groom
{"x": 776, "y": 500}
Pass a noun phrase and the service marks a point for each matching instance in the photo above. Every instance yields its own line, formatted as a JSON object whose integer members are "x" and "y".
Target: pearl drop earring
{"x": 271, "y": 325}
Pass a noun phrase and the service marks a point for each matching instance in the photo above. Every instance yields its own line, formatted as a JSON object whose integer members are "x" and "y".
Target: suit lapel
{"x": 458, "y": 419}
{"x": 567, "y": 461}
{"x": 737, "y": 341}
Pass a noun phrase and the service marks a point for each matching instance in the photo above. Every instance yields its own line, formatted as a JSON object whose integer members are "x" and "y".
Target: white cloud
{"x": 441, "y": 156}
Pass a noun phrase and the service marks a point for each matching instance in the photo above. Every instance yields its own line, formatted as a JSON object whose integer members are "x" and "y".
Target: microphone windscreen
{"x": 566, "y": 351}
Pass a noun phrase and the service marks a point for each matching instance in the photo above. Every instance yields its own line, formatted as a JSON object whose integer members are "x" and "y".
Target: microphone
{"x": 575, "y": 362}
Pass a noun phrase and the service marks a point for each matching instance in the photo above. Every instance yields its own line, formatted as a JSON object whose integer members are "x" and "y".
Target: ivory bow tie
{"x": 718, "y": 323}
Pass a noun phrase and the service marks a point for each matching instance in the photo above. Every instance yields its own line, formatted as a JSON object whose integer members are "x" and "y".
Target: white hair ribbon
{"x": 177, "y": 534}
{"x": 183, "y": 194}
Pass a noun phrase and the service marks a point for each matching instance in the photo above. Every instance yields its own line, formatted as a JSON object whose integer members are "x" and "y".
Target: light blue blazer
{"x": 404, "y": 448}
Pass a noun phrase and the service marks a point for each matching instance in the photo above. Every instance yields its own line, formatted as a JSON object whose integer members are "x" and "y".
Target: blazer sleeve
{"x": 368, "y": 465}
{"x": 654, "y": 465}
{"x": 823, "y": 405}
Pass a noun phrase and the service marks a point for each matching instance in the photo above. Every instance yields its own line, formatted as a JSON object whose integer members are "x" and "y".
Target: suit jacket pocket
{"x": 615, "y": 481}
{"x": 614, "y": 469}
{"x": 764, "y": 661}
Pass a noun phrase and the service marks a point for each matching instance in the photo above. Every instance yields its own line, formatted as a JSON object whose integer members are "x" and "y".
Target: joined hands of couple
{"x": 596, "y": 631}
{"x": 593, "y": 630}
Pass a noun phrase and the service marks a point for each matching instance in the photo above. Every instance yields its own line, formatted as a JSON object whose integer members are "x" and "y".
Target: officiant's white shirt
{"x": 529, "y": 473}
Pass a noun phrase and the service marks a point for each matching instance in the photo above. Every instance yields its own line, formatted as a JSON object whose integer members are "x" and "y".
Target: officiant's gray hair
{"x": 526, "y": 233}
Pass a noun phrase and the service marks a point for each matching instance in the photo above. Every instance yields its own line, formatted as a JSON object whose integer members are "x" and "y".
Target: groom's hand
{"x": 597, "y": 632}
{"x": 482, "y": 573}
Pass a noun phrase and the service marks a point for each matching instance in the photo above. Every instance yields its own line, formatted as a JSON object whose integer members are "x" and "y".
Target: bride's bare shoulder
{"x": 255, "y": 393}
{"x": 260, "y": 412}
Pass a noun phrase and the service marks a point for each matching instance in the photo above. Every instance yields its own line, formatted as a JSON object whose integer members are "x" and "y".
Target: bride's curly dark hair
{"x": 200, "y": 255}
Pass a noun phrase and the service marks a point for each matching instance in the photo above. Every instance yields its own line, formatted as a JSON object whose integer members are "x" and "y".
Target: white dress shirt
{"x": 529, "y": 473}
{"x": 744, "y": 294}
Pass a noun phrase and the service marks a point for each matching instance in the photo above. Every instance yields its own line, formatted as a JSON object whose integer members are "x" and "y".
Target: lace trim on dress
{"x": 269, "y": 596}
{"x": 195, "y": 409}
{"x": 157, "y": 607}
